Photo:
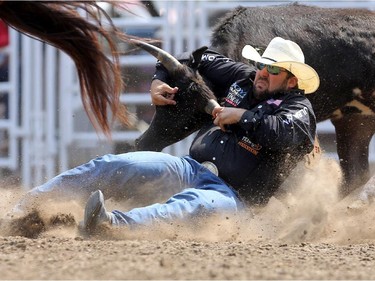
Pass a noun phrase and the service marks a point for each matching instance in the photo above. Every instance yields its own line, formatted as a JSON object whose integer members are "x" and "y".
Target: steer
{"x": 340, "y": 45}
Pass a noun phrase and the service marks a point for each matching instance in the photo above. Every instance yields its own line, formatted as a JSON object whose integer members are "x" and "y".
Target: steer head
{"x": 194, "y": 102}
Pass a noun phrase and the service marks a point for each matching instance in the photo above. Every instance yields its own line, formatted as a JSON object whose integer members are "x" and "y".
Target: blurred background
{"x": 43, "y": 127}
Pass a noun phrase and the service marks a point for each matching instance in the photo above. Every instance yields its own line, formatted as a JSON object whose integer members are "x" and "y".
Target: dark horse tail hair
{"x": 60, "y": 24}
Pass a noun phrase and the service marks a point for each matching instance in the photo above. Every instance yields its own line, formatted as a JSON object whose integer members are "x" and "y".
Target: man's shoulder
{"x": 295, "y": 94}
{"x": 294, "y": 97}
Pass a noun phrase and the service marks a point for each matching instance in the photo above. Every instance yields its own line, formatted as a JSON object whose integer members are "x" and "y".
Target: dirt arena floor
{"x": 305, "y": 232}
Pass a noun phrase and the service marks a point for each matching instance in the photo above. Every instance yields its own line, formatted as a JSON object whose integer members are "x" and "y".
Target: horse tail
{"x": 61, "y": 25}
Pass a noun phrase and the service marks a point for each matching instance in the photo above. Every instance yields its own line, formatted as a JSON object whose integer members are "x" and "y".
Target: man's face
{"x": 266, "y": 84}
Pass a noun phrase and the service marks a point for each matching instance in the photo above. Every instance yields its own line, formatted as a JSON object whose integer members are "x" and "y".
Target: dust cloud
{"x": 307, "y": 209}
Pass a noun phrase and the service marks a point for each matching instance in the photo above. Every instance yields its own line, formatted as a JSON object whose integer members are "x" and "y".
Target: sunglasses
{"x": 271, "y": 69}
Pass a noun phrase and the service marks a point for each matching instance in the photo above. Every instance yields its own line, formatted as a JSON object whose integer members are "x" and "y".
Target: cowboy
{"x": 263, "y": 127}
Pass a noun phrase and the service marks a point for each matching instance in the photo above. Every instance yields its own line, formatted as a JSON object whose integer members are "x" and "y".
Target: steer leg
{"x": 353, "y": 136}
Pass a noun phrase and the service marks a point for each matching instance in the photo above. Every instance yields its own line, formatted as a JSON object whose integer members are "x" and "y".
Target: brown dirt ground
{"x": 305, "y": 232}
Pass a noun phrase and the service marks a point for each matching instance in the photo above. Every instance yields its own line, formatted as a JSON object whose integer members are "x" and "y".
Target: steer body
{"x": 340, "y": 45}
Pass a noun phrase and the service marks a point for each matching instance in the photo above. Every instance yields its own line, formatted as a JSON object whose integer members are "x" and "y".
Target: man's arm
{"x": 219, "y": 70}
{"x": 287, "y": 126}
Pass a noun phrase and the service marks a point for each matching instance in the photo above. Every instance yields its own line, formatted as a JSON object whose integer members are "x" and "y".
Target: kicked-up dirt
{"x": 306, "y": 232}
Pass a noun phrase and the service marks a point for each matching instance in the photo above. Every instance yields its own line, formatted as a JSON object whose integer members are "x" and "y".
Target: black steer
{"x": 340, "y": 45}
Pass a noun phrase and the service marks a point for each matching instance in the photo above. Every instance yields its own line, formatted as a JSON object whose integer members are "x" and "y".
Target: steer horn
{"x": 169, "y": 62}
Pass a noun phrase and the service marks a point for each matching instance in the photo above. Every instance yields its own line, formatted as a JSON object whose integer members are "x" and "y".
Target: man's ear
{"x": 292, "y": 82}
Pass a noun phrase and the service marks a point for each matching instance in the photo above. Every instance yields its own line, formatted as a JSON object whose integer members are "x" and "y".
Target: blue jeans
{"x": 150, "y": 175}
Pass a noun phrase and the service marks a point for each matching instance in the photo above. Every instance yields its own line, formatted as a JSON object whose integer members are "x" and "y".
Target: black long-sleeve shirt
{"x": 258, "y": 153}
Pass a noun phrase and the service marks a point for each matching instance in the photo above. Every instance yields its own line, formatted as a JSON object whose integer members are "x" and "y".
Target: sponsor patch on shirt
{"x": 246, "y": 143}
{"x": 211, "y": 57}
{"x": 297, "y": 115}
{"x": 235, "y": 95}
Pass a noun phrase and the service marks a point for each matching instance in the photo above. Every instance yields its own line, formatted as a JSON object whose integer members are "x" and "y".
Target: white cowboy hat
{"x": 288, "y": 55}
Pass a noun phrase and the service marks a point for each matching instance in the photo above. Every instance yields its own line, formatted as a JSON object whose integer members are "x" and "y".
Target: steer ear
{"x": 196, "y": 57}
